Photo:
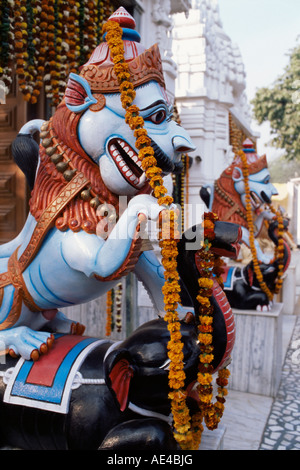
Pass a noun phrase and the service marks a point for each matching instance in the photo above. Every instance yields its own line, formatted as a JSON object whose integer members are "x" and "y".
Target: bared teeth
{"x": 138, "y": 181}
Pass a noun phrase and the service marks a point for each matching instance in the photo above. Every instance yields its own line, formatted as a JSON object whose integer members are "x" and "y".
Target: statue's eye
{"x": 158, "y": 117}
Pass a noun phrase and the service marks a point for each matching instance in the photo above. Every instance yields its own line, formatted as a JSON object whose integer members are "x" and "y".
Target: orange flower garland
{"x": 279, "y": 249}
{"x": 209, "y": 266}
{"x": 118, "y": 295}
{"x": 169, "y": 235}
{"x": 114, "y": 297}
{"x": 6, "y": 43}
{"x": 109, "y": 304}
{"x": 187, "y": 431}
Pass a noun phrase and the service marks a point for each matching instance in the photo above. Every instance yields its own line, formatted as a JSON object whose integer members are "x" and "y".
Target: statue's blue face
{"x": 261, "y": 189}
{"x": 108, "y": 140}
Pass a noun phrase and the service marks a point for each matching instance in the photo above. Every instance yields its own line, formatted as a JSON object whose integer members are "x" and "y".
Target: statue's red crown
{"x": 255, "y": 162}
{"x": 144, "y": 64}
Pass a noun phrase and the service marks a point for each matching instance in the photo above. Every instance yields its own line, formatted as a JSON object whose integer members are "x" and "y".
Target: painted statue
{"x": 100, "y": 394}
{"x": 243, "y": 195}
{"x": 227, "y": 198}
{"x": 79, "y": 239}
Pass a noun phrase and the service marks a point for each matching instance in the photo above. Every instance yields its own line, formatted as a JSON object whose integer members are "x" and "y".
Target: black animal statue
{"x": 88, "y": 393}
{"x": 117, "y": 398}
{"x": 241, "y": 286}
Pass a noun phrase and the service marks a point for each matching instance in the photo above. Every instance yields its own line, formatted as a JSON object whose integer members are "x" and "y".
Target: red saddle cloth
{"x": 47, "y": 383}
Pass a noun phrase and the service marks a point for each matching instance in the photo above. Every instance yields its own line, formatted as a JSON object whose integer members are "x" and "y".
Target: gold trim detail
{"x": 147, "y": 66}
{"x": 17, "y": 267}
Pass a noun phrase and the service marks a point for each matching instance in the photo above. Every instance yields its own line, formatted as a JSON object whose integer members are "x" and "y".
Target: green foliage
{"x": 280, "y": 105}
{"x": 282, "y": 171}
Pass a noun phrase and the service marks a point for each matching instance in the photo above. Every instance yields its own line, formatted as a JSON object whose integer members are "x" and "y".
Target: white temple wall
{"x": 156, "y": 26}
{"x": 211, "y": 82}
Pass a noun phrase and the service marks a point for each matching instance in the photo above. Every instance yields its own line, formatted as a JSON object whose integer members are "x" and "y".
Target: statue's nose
{"x": 182, "y": 144}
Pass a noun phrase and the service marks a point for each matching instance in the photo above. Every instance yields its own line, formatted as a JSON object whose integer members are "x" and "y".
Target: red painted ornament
{"x": 122, "y": 17}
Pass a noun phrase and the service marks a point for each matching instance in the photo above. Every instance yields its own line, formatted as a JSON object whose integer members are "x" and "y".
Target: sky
{"x": 265, "y": 31}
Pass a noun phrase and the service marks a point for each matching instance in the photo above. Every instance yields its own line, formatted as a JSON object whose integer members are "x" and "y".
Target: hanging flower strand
{"x": 109, "y": 307}
{"x": 169, "y": 235}
{"x": 209, "y": 265}
{"x": 280, "y": 249}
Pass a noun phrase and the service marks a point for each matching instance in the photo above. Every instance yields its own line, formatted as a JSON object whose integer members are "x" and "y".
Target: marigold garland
{"x": 118, "y": 297}
{"x": 43, "y": 41}
{"x": 210, "y": 266}
{"x": 279, "y": 252}
{"x": 6, "y": 43}
{"x": 109, "y": 305}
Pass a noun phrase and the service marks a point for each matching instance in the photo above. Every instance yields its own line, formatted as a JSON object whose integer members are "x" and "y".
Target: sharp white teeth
{"x": 142, "y": 180}
{"x": 138, "y": 182}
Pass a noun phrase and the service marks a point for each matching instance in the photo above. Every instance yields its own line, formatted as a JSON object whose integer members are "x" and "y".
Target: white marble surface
{"x": 213, "y": 440}
{"x": 245, "y": 417}
{"x": 257, "y": 353}
{"x": 246, "y": 414}
{"x": 288, "y": 294}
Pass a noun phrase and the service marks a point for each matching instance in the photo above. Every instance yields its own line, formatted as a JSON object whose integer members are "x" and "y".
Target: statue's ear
{"x": 118, "y": 374}
{"x": 78, "y": 95}
{"x": 237, "y": 174}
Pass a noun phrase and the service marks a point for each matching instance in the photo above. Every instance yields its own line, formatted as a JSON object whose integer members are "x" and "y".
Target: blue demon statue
{"x": 84, "y": 168}
{"x": 227, "y": 198}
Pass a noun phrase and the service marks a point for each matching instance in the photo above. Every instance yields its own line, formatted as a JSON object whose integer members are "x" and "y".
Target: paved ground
{"x": 256, "y": 422}
{"x": 282, "y": 430}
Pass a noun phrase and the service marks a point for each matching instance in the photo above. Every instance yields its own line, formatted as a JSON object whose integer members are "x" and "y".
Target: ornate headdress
{"x": 227, "y": 202}
{"x": 144, "y": 64}
{"x": 255, "y": 163}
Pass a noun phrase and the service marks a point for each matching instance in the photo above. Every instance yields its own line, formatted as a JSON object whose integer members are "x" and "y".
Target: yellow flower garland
{"x": 187, "y": 431}
{"x": 210, "y": 265}
{"x": 109, "y": 305}
{"x": 279, "y": 249}
{"x": 168, "y": 236}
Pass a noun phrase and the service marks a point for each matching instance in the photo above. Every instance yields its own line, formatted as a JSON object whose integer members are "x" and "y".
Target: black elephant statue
{"x": 240, "y": 284}
{"x": 89, "y": 394}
